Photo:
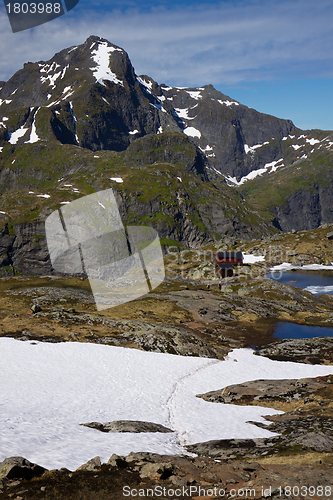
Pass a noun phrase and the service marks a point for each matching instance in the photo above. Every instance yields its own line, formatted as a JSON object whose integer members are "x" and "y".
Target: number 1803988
{"x": 33, "y": 8}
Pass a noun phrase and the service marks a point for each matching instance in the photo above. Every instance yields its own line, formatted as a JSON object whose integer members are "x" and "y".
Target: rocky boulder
{"x": 133, "y": 426}
{"x": 19, "y": 468}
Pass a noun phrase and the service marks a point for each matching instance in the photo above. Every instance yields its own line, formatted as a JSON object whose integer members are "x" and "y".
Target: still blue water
{"x": 286, "y": 330}
{"x": 316, "y": 282}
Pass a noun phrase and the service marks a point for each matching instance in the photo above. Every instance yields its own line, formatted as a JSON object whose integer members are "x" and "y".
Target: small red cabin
{"x": 225, "y": 261}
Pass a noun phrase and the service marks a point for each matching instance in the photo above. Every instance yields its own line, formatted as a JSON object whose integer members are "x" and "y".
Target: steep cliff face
{"x": 299, "y": 195}
{"x": 23, "y": 249}
{"x": 225, "y": 130}
{"x": 306, "y": 209}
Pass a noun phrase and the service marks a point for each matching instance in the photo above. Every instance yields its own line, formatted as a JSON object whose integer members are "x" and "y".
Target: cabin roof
{"x": 229, "y": 255}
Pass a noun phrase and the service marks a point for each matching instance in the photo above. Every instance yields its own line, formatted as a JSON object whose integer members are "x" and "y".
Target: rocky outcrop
{"x": 316, "y": 350}
{"x": 92, "y": 465}
{"x": 252, "y": 299}
{"x": 19, "y": 468}
{"x": 119, "y": 332}
{"x": 149, "y": 474}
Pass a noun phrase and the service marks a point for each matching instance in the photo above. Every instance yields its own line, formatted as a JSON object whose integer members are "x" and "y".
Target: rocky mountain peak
{"x": 89, "y": 95}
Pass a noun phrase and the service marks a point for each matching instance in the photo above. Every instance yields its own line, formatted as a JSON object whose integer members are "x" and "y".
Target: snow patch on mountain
{"x": 33, "y": 134}
{"x": 15, "y": 136}
{"x": 157, "y": 105}
{"x": 228, "y": 103}
{"x": 5, "y": 101}
{"x": 192, "y": 132}
{"x": 195, "y": 94}
{"x": 64, "y": 71}
{"x": 312, "y": 141}
{"x": 51, "y": 78}
{"x": 183, "y": 113}
{"x": 101, "y": 56}
{"x": 148, "y": 85}
{"x": 206, "y": 149}
{"x": 273, "y": 166}
{"x": 251, "y": 149}
{"x": 210, "y": 167}
{"x": 74, "y": 121}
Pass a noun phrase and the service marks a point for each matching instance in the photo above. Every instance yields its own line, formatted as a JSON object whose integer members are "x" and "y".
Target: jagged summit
{"x": 90, "y": 96}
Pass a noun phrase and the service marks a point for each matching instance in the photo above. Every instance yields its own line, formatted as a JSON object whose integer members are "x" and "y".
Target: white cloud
{"x": 218, "y": 43}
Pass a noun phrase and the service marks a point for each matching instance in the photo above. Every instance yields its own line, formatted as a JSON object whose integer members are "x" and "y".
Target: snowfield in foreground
{"x": 48, "y": 389}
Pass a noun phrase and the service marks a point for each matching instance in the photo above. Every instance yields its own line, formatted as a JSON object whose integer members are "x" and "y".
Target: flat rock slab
{"x": 134, "y": 426}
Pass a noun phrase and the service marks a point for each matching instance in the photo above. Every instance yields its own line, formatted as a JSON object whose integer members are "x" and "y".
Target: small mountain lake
{"x": 284, "y": 330}
{"x": 316, "y": 282}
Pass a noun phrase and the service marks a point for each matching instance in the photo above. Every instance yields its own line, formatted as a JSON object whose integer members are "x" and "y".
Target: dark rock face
{"x": 227, "y": 127}
{"x": 306, "y": 209}
{"x": 24, "y": 250}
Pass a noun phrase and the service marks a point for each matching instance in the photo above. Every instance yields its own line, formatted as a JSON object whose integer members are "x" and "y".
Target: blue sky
{"x": 273, "y": 55}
